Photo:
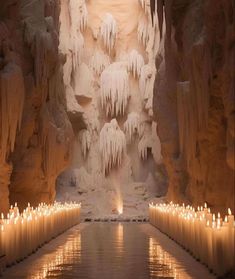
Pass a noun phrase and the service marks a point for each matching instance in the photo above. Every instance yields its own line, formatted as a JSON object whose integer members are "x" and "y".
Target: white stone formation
{"x": 83, "y": 16}
{"x": 135, "y": 63}
{"x": 112, "y": 145}
{"x": 109, "y": 80}
{"x": 115, "y": 89}
{"x": 145, "y": 5}
{"x": 99, "y": 61}
{"x": 143, "y": 146}
{"x": 132, "y": 126}
{"x": 108, "y": 31}
{"x": 143, "y": 31}
{"x": 85, "y": 139}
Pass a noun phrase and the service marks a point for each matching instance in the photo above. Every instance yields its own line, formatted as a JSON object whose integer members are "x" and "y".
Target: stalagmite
{"x": 85, "y": 139}
{"x": 112, "y": 145}
{"x": 115, "y": 89}
{"x": 132, "y": 126}
{"x": 135, "y": 63}
{"x": 108, "y": 31}
{"x": 99, "y": 61}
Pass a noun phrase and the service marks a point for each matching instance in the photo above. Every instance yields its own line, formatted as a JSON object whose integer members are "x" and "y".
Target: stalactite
{"x": 83, "y": 16}
{"x": 85, "y": 139}
{"x": 115, "y": 89}
{"x": 76, "y": 38}
{"x": 99, "y": 61}
{"x": 108, "y": 31}
{"x": 132, "y": 126}
{"x": 135, "y": 63}
{"x": 145, "y": 5}
{"x": 146, "y": 85}
{"x": 11, "y": 106}
{"x": 160, "y": 5}
{"x": 112, "y": 145}
{"x": 143, "y": 31}
{"x": 143, "y": 146}
{"x": 168, "y": 18}
{"x": 187, "y": 120}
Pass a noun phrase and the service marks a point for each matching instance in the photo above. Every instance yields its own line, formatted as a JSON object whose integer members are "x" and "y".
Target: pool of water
{"x": 104, "y": 251}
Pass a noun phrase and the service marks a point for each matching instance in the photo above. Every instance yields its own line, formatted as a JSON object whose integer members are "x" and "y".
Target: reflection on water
{"x": 162, "y": 264}
{"x": 60, "y": 260}
{"x": 108, "y": 251}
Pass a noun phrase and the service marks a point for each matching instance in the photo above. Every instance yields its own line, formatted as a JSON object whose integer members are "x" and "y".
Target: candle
{"x": 205, "y": 235}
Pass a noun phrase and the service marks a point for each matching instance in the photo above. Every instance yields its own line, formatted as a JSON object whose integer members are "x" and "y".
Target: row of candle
{"x": 22, "y": 234}
{"x": 206, "y": 236}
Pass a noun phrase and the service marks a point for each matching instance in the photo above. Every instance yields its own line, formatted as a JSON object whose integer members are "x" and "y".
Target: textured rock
{"x": 194, "y": 100}
{"x": 35, "y": 133}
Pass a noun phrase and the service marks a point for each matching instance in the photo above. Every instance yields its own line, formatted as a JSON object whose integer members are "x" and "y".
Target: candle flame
{"x": 205, "y": 205}
{"x": 226, "y": 219}
{"x": 229, "y": 212}
{"x": 218, "y": 215}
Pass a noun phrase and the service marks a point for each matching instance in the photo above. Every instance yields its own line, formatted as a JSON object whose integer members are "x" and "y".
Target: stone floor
{"x": 110, "y": 251}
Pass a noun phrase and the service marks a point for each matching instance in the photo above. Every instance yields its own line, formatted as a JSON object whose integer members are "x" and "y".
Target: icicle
{"x": 85, "y": 139}
{"x": 109, "y": 31}
{"x": 135, "y": 63}
{"x": 99, "y": 61}
{"x": 115, "y": 89}
{"x": 112, "y": 145}
{"x": 132, "y": 126}
{"x": 11, "y": 107}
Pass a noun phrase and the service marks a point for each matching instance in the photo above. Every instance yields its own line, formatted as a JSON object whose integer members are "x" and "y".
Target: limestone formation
{"x": 194, "y": 100}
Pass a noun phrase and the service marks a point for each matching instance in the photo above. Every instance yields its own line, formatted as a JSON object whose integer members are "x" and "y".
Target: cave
{"x": 122, "y": 114}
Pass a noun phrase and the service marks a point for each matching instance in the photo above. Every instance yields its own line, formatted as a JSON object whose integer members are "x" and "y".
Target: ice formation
{"x": 115, "y": 89}
{"x": 132, "y": 126}
{"x": 108, "y": 31}
{"x": 85, "y": 139}
{"x": 135, "y": 63}
{"x": 112, "y": 145}
{"x": 99, "y": 61}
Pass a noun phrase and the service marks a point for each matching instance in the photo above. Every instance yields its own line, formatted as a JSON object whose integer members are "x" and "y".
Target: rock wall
{"x": 109, "y": 74}
{"x": 194, "y": 99}
{"x": 35, "y": 132}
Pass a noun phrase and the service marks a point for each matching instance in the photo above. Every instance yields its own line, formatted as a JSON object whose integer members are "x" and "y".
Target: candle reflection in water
{"x": 162, "y": 264}
{"x": 119, "y": 239}
{"x": 61, "y": 260}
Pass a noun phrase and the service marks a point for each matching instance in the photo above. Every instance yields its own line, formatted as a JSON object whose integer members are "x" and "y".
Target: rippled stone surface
{"x": 105, "y": 251}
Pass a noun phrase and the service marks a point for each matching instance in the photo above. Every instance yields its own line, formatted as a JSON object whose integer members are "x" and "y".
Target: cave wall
{"x": 194, "y": 101}
{"x": 35, "y": 132}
